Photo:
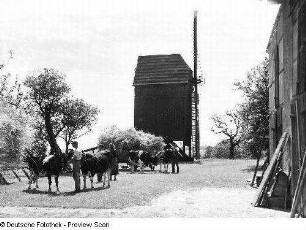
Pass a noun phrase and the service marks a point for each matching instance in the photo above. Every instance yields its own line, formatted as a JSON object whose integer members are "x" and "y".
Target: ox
{"x": 35, "y": 167}
{"x": 51, "y": 165}
{"x": 142, "y": 159}
{"x": 165, "y": 158}
{"x": 133, "y": 160}
{"x": 98, "y": 163}
{"x": 54, "y": 165}
{"x": 148, "y": 160}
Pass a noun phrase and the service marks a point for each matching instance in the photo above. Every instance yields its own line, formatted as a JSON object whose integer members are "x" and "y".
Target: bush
{"x": 10, "y": 142}
{"x": 207, "y": 152}
{"x": 15, "y": 134}
{"x": 221, "y": 150}
{"x": 129, "y": 139}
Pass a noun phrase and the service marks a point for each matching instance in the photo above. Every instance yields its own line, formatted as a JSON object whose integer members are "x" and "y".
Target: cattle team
{"x": 103, "y": 163}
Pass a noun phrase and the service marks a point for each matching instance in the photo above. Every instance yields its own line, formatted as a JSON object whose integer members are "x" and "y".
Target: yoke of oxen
{"x": 167, "y": 156}
{"x": 155, "y": 160}
{"x": 98, "y": 162}
{"x": 147, "y": 158}
{"x": 54, "y": 164}
{"x": 134, "y": 155}
{"x": 88, "y": 163}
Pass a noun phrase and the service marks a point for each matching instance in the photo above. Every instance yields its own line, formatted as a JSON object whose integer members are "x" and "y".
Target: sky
{"x": 97, "y": 43}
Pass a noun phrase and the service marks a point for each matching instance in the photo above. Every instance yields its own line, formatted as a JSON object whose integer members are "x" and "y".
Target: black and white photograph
{"x": 152, "y": 109}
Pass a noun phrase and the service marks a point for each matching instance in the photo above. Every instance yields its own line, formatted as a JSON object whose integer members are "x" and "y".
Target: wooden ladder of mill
{"x": 195, "y": 142}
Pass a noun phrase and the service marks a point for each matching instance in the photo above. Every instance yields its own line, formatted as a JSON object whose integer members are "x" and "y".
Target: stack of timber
{"x": 271, "y": 175}
{"x": 298, "y": 202}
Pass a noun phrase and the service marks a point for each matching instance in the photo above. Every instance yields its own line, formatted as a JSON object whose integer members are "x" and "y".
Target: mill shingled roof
{"x": 161, "y": 69}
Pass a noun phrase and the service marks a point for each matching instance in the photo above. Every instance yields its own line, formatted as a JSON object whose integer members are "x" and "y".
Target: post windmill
{"x": 166, "y": 98}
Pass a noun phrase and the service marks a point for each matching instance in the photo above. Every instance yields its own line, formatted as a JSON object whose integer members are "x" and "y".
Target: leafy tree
{"x": 47, "y": 92}
{"x": 129, "y": 139}
{"x": 10, "y": 93}
{"x": 15, "y": 132}
{"x": 10, "y": 141}
{"x": 255, "y": 108}
{"x": 38, "y": 145}
{"x": 10, "y": 56}
{"x": 78, "y": 119}
{"x": 231, "y": 126}
{"x": 208, "y": 152}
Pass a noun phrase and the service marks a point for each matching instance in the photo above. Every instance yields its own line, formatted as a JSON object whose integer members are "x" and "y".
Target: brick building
{"x": 163, "y": 92}
{"x": 287, "y": 84}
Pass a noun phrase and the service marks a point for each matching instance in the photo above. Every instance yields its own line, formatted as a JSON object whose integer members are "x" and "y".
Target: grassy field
{"x": 131, "y": 189}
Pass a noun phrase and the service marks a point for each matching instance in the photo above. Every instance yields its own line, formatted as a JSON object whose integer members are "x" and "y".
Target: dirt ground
{"x": 215, "y": 188}
{"x": 202, "y": 203}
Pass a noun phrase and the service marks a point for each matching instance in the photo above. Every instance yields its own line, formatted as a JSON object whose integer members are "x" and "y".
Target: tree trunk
{"x": 67, "y": 145}
{"x": 232, "y": 149}
{"x": 256, "y": 168}
{"x": 51, "y": 137}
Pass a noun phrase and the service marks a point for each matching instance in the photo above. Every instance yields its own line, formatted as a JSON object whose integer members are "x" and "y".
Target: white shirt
{"x": 77, "y": 154}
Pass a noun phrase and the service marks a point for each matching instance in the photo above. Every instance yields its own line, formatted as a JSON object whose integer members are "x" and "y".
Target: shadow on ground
{"x": 276, "y": 209}
{"x": 251, "y": 168}
{"x": 70, "y": 193}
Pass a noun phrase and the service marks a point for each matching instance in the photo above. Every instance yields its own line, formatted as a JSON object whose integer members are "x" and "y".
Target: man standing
{"x": 140, "y": 162}
{"x": 114, "y": 162}
{"x": 76, "y": 162}
{"x": 174, "y": 159}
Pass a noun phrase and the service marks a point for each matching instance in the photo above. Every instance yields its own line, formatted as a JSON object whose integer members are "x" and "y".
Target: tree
{"x": 230, "y": 125}
{"x": 15, "y": 131}
{"x": 10, "y": 56}
{"x": 47, "y": 92}
{"x": 38, "y": 145}
{"x": 78, "y": 119}
{"x": 10, "y": 141}
{"x": 10, "y": 93}
{"x": 129, "y": 139}
{"x": 208, "y": 152}
{"x": 255, "y": 108}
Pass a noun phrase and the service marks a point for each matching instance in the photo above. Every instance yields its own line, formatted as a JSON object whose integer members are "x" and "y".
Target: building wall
{"x": 164, "y": 110}
{"x": 279, "y": 84}
{"x": 287, "y": 70}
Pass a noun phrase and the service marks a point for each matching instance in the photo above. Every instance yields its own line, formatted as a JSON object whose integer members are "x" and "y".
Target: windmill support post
{"x": 195, "y": 96}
